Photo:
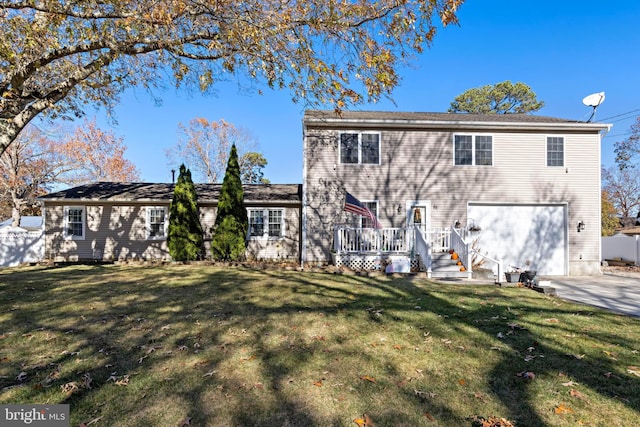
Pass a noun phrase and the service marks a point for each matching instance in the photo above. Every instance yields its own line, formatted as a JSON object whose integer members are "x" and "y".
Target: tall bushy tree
{"x": 230, "y": 228}
{"x": 185, "y": 232}
{"x": 608, "y": 214}
{"x": 500, "y": 98}
{"x": 56, "y": 57}
{"x": 205, "y": 145}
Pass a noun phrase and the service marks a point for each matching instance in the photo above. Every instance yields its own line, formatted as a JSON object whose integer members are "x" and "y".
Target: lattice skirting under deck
{"x": 369, "y": 261}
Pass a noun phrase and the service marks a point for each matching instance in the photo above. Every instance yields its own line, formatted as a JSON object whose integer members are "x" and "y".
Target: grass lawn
{"x": 210, "y": 346}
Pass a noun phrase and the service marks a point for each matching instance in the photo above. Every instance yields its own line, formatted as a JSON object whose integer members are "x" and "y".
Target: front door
{"x": 419, "y": 214}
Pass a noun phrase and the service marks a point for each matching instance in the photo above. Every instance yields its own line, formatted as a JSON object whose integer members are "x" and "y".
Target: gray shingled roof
{"x": 143, "y": 192}
{"x": 445, "y": 120}
{"x": 438, "y": 117}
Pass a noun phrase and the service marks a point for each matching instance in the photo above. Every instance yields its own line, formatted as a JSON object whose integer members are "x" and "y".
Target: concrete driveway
{"x": 615, "y": 292}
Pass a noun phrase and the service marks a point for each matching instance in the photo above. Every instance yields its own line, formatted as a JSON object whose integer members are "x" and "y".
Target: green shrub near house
{"x": 185, "y": 239}
{"x": 230, "y": 228}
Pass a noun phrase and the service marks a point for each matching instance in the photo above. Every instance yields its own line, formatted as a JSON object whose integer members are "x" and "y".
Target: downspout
{"x": 601, "y": 134}
{"x": 303, "y": 234}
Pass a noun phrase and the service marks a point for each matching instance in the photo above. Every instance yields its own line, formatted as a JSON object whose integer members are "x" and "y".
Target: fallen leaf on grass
{"x": 576, "y": 393}
{"x": 527, "y": 375}
{"x": 633, "y": 370}
{"x": 553, "y": 320}
{"x": 461, "y": 381}
{"x": 397, "y": 347}
{"x": 424, "y": 394}
{"x": 569, "y": 384}
{"x": 368, "y": 378}
{"x": 318, "y": 383}
{"x": 561, "y": 409}
{"x": 611, "y": 355}
{"x": 429, "y": 417}
{"x": 480, "y": 396}
{"x": 248, "y": 358}
{"x": 364, "y": 421}
{"x": 578, "y": 356}
{"x": 478, "y": 421}
{"x": 186, "y": 422}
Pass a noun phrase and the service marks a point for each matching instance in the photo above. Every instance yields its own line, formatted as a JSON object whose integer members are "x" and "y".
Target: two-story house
{"x": 522, "y": 190}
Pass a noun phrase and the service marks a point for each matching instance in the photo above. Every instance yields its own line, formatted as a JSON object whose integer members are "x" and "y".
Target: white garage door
{"x": 520, "y": 234}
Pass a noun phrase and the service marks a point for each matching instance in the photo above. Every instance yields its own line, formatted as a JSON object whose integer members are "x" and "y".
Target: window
{"x": 74, "y": 220}
{"x": 555, "y": 151}
{"x": 156, "y": 223}
{"x": 256, "y": 223}
{"x": 274, "y": 226}
{"x": 473, "y": 150}
{"x": 275, "y": 223}
{"x": 359, "y": 148}
{"x": 366, "y": 222}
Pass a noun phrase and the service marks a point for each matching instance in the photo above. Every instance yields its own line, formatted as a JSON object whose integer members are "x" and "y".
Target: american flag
{"x": 353, "y": 205}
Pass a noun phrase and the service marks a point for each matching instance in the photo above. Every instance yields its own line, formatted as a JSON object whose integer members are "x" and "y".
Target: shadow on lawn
{"x": 197, "y": 322}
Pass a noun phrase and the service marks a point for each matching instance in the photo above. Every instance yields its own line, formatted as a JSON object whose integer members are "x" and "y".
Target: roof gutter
{"x": 456, "y": 124}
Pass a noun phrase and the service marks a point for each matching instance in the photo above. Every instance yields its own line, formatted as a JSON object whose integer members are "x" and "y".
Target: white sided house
{"x": 108, "y": 221}
{"x": 501, "y": 190}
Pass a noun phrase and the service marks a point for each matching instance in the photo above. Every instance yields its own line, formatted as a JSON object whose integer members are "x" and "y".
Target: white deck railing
{"x": 462, "y": 248}
{"x": 348, "y": 239}
{"x": 424, "y": 249}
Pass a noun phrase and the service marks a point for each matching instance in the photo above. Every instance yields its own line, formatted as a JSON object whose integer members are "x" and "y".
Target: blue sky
{"x": 564, "y": 50}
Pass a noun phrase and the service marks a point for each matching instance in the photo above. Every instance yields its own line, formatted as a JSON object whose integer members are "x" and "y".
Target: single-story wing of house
{"x": 109, "y": 221}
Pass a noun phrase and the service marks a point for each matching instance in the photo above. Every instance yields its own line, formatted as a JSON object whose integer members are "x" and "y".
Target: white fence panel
{"x": 621, "y": 246}
{"x": 19, "y": 247}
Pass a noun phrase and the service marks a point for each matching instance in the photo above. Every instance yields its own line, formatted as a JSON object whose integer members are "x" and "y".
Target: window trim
{"x": 546, "y": 151}
{"x": 359, "y": 133}
{"x": 65, "y": 225}
{"x": 473, "y": 148}
{"x": 265, "y": 224}
{"x": 148, "y": 223}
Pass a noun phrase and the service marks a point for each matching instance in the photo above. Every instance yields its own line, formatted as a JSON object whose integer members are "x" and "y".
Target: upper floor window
{"x": 74, "y": 222}
{"x": 156, "y": 222}
{"x": 265, "y": 223}
{"x": 555, "y": 151}
{"x": 473, "y": 150}
{"x": 359, "y": 148}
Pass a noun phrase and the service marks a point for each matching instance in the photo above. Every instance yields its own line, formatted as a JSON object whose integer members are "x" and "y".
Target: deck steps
{"x": 442, "y": 266}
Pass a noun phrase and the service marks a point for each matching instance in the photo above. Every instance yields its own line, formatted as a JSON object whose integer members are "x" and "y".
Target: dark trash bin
{"x": 529, "y": 278}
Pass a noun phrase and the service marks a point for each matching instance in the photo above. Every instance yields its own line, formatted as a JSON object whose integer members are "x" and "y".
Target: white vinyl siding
{"x": 555, "y": 151}
{"x": 473, "y": 150}
{"x": 359, "y": 148}
{"x": 156, "y": 222}
{"x": 74, "y": 222}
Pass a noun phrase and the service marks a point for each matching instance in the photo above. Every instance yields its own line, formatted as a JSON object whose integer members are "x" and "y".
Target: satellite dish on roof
{"x": 593, "y": 100}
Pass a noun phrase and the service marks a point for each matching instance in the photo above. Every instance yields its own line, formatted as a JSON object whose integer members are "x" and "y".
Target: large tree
{"x": 231, "y": 224}
{"x": 58, "y": 56}
{"x": 251, "y": 166}
{"x": 623, "y": 189}
{"x": 628, "y": 150}
{"x": 39, "y": 160}
{"x": 609, "y": 219}
{"x": 500, "y": 98}
{"x": 28, "y": 169}
{"x": 96, "y": 155}
{"x": 205, "y": 146}
{"x": 185, "y": 232}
